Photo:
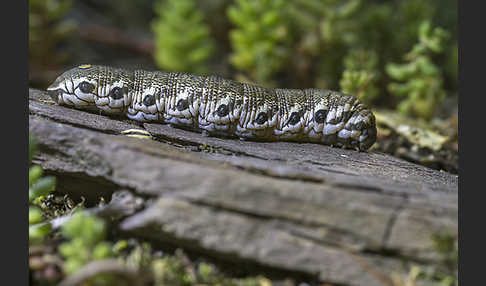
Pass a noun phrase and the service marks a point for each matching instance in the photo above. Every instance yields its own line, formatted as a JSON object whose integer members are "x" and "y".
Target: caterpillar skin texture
{"x": 220, "y": 106}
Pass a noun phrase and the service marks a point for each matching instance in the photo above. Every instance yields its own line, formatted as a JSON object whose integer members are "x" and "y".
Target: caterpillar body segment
{"x": 220, "y": 106}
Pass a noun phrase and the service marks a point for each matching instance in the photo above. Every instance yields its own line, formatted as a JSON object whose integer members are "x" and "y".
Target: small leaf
{"x": 42, "y": 187}
{"x": 39, "y": 231}
{"x": 35, "y": 172}
{"x": 35, "y": 215}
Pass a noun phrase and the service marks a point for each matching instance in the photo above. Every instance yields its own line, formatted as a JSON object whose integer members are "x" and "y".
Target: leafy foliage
{"x": 86, "y": 234}
{"x": 360, "y": 75}
{"x": 176, "y": 270}
{"x": 86, "y": 243}
{"x": 446, "y": 247}
{"x": 324, "y": 31}
{"x": 421, "y": 80}
{"x": 260, "y": 39}
{"x": 39, "y": 187}
{"x": 182, "y": 41}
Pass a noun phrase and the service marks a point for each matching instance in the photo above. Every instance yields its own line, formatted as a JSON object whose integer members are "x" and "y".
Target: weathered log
{"x": 339, "y": 215}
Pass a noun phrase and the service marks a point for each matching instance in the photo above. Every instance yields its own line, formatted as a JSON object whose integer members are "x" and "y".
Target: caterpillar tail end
{"x": 369, "y": 138}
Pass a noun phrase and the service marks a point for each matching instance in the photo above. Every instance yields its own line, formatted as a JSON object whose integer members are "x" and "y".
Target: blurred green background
{"x": 400, "y": 54}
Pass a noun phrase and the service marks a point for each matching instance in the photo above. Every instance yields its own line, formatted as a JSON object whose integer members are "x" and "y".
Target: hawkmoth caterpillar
{"x": 220, "y": 106}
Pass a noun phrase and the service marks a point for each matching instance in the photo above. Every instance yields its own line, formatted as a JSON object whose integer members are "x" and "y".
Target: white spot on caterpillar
{"x": 87, "y": 97}
{"x": 234, "y": 115}
{"x": 141, "y": 117}
{"x": 339, "y": 112}
{"x": 194, "y": 107}
{"x": 102, "y": 101}
{"x": 332, "y": 128}
{"x": 178, "y": 120}
{"x": 344, "y": 133}
{"x": 330, "y": 116}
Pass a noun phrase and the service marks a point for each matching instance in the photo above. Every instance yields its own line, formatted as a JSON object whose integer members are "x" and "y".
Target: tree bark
{"x": 341, "y": 216}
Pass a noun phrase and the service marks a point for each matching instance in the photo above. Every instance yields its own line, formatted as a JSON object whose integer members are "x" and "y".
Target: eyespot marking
{"x": 149, "y": 100}
{"x": 182, "y": 104}
{"x": 86, "y": 87}
{"x": 294, "y": 118}
{"x": 262, "y": 118}
{"x": 320, "y": 116}
{"x": 222, "y": 110}
{"x": 116, "y": 93}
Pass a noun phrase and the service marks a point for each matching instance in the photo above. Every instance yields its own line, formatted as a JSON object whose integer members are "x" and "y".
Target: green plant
{"x": 178, "y": 270}
{"x": 170, "y": 271}
{"x": 260, "y": 39}
{"x": 447, "y": 247}
{"x": 444, "y": 274}
{"x": 324, "y": 31}
{"x": 85, "y": 234}
{"x": 329, "y": 22}
{"x": 421, "y": 80}
{"x": 39, "y": 187}
{"x": 182, "y": 41}
{"x": 360, "y": 75}
{"x": 411, "y": 14}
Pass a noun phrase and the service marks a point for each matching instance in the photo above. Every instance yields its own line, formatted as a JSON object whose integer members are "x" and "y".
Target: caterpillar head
{"x": 93, "y": 87}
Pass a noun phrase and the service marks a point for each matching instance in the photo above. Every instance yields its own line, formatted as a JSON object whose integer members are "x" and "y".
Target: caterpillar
{"x": 219, "y": 106}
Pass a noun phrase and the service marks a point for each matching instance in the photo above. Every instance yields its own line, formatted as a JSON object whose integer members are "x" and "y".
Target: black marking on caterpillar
{"x": 220, "y": 106}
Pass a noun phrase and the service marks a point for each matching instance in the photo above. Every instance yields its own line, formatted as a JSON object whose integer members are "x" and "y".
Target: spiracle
{"x": 220, "y": 106}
